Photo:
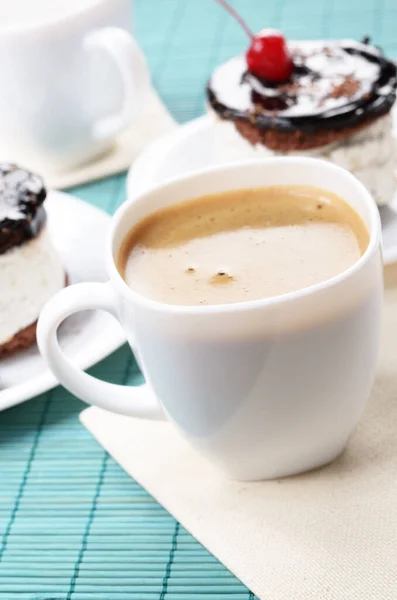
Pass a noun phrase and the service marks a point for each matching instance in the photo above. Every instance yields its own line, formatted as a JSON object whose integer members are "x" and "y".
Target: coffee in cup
{"x": 242, "y": 245}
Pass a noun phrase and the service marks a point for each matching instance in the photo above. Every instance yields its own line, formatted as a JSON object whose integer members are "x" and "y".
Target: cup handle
{"x": 126, "y": 400}
{"x": 131, "y": 64}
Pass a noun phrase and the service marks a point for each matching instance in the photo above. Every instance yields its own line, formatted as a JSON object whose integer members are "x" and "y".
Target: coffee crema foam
{"x": 242, "y": 245}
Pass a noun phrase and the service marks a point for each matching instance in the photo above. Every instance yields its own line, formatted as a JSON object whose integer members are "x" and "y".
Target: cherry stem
{"x": 236, "y": 16}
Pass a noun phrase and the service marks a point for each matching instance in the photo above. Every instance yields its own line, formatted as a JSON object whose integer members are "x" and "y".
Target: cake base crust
{"x": 281, "y": 141}
{"x": 23, "y": 339}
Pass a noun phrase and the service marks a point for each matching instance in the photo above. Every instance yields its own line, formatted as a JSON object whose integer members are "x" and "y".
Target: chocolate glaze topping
{"x": 334, "y": 85}
{"x": 21, "y": 212}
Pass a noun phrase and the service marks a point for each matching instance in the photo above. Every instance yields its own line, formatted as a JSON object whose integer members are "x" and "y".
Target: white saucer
{"x": 79, "y": 232}
{"x": 191, "y": 148}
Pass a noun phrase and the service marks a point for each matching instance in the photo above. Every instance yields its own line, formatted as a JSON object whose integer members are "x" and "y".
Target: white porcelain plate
{"x": 191, "y": 148}
{"x": 79, "y": 232}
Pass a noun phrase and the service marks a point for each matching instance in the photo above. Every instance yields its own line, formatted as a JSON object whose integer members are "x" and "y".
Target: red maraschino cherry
{"x": 268, "y": 56}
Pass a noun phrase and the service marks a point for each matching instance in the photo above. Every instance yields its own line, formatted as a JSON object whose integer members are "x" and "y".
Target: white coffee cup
{"x": 263, "y": 388}
{"x": 72, "y": 78}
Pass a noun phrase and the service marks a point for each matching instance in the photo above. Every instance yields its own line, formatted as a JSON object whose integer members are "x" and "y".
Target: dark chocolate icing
{"x": 22, "y": 213}
{"x": 335, "y": 85}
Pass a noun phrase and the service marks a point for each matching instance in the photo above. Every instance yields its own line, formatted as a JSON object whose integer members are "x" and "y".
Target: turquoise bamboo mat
{"x": 73, "y": 526}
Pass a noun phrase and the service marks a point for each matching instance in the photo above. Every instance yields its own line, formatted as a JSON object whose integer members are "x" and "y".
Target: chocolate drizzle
{"x": 22, "y": 214}
{"x": 335, "y": 86}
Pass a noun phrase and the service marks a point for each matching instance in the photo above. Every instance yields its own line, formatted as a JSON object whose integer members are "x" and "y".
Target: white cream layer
{"x": 370, "y": 154}
{"x": 29, "y": 275}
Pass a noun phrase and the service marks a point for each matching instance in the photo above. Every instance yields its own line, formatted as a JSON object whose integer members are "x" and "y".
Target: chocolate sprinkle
{"x": 348, "y": 88}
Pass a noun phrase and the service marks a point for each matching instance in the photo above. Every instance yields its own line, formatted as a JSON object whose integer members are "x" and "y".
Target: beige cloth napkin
{"x": 325, "y": 535}
{"x": 154, "y": 122}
